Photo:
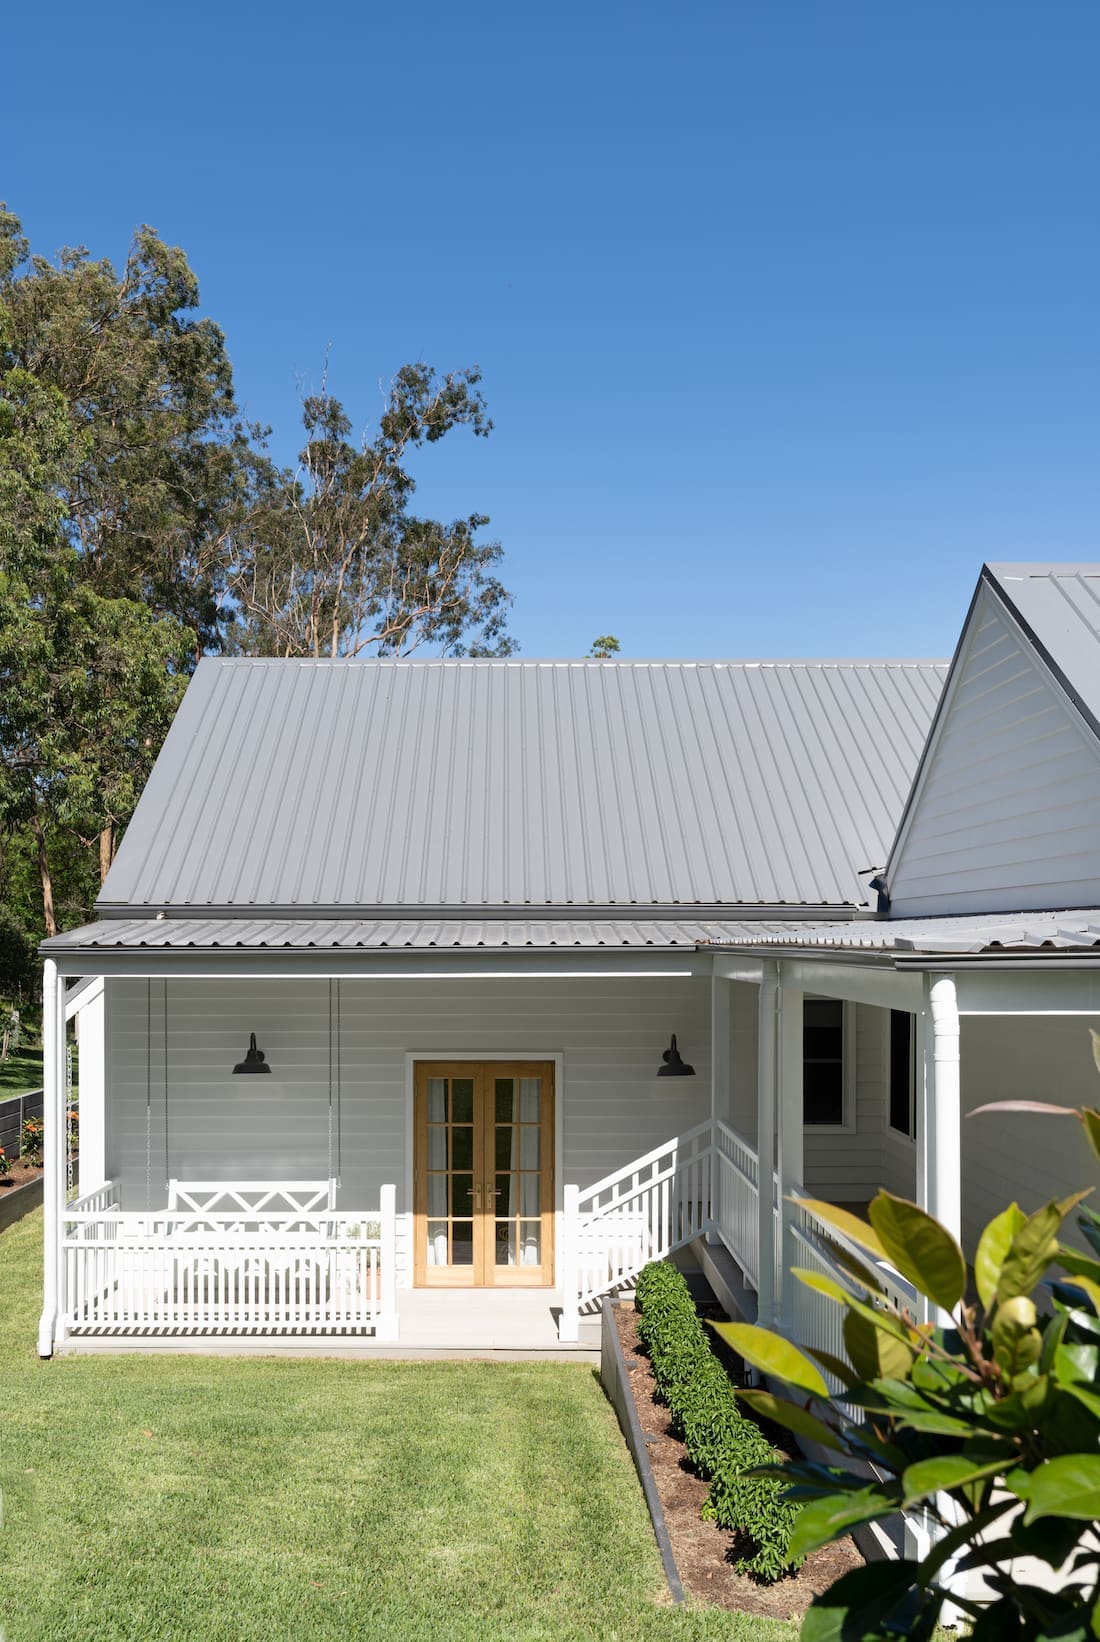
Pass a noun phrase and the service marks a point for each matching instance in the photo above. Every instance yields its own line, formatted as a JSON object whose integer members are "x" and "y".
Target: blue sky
{"x": 788, "y": 313}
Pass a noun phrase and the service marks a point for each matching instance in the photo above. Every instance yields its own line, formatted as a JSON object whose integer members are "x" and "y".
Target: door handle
{"x": 477, "y": 1196}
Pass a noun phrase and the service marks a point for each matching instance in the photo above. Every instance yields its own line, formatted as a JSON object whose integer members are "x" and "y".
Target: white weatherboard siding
{"x": 610, "y": 1034}
{"x": 1021, "y": 1156}
{"x": 1004, "y": 816}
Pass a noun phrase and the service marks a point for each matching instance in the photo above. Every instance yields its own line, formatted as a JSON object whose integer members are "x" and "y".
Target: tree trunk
{"x": 106, "y": 850}
{"x": 44, "y": 875}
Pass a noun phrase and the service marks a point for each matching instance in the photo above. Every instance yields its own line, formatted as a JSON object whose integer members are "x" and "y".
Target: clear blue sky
{"x": 788, "y": 313}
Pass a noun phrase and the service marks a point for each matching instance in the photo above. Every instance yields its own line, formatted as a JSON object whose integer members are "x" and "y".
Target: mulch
{"x": 704, "y": 1552}
{"x": 21, "y": 1174}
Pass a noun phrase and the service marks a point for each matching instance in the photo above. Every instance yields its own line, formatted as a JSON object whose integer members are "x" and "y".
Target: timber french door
{"x": 483, "y": 1175}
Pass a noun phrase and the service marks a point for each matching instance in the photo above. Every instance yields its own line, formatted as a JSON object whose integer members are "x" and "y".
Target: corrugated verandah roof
{"x": 1078, "y": 929}
{"x": 349, "y": 934}
{"x": 449, "y": 787}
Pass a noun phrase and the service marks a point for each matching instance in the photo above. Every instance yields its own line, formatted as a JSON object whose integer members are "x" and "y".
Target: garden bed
{"x": 704, "y": 1552}
{"x": 21, "y": 1174}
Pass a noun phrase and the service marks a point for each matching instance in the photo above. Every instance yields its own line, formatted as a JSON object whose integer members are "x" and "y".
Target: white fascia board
{"x": 879, "y": 985}
{"x": 85, "y": 992}
{"x": 410, "y": 964}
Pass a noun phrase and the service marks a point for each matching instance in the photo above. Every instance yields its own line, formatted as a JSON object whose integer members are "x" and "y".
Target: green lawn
{"x": 180, "y": 1498}
{"x": 20, "y": 1072}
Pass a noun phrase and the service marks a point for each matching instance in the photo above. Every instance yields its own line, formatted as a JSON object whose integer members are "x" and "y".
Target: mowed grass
{"x": 20, "y": 1072}
{"x": 182, "y": 1497}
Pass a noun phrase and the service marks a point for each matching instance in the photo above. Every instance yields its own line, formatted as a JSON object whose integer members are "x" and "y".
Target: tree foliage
{"x": 989, "y": 1426}
{"x": 143, "y": 523}
{"x": 329, "y": 561}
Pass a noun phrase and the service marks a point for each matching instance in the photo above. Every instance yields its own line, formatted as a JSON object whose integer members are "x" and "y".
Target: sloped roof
{"x": 401, "y": 787}
{"x": 1058, "y": 605}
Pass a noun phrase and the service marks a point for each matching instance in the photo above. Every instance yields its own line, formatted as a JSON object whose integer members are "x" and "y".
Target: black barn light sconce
{"x": 254, "y": 1059}
{"x": 674, "y": 1066}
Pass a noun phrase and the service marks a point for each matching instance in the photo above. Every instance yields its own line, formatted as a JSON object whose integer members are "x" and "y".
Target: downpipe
{"x": 51, "y": 1080}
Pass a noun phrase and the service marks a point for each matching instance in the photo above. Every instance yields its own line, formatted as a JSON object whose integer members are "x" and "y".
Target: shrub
{"x": 5, "y": 1163}
{"x": 30, "y": 1141}
{"x": 721, "y": 1442}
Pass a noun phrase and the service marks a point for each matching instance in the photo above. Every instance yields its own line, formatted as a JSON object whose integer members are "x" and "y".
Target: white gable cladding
{"x": 1004, "y": 814}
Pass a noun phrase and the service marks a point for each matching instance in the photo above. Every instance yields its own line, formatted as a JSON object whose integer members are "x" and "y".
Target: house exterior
{"x": 473, "y": 920}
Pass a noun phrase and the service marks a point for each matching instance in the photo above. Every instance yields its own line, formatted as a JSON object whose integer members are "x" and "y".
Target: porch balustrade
{"x": 230, "y": 1259}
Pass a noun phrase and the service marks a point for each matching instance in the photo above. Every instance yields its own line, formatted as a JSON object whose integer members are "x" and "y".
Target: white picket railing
{"x": 229, "y": 1270}
{"x": 736, "y": 1199}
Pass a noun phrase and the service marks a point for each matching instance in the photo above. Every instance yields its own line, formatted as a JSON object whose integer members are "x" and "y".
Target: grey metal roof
{"x": 420, "y": 786}
{"x": 1059, "y": 606}
{"x": 976, "y": 933}
{"x": 376, "y": 934}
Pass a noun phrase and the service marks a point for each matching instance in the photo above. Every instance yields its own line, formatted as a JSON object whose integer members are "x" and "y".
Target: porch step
{"x": 726, "y": 1279}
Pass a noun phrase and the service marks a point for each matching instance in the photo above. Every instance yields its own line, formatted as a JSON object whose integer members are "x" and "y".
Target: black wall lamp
{"x": 674, "y": 1066}
{"x": 254, "y": 1059}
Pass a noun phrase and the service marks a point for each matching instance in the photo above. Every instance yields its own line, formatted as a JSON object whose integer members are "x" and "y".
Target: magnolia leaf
{"x": 1077, "y": 1362}
{"x": 1030, "y": 1253}
{"x": 1089, "y": 1287}
{"x": 1095, "y": 1036}
{"x": 1090, "y": 1117}
{"x": 1068, "y": 1486}
{"x": 857, "y": 1603}
{"x": 946, "y": 1471}
{"x": 1088, "y": 1399}
{"x": 993, "y": 1245}
{"x": 1017, "y": 1343}
{"x": 836, "y": 1366}
{"x": 773, "y": 1355}
{"x": 922, "y": 1250}
{"x": 876, "y": 1352}
{"x": 796, "y": 1419}
{"x": 1083, "y": 1264}
{"x": 1047, "y": 1108}
{"x": 847, "y": 1224}
{"x": 824, "y": 1285}
{"x": 820, "y": 1521}
{"x": 855, "y": 1267}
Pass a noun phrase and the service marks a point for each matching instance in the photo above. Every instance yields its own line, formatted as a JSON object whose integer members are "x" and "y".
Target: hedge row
{"x": 721, "y": 1441}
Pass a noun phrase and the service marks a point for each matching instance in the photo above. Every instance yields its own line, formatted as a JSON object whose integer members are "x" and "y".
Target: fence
{"x": 13, "y": 1110}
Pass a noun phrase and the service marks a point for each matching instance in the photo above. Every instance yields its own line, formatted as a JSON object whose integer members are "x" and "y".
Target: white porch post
{"x": 791, "y": 1131}
{"x": 569, "y": 1321}
{"x": 765, "y": 1141}
{"x": 53, "y": 1109}
{"x": 719, "y": 1086}
{"x": 939, "y": 1138}
{"x": 386, "y": 1327}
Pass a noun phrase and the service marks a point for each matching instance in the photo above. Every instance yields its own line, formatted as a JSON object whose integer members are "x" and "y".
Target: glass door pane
{"x": 449, "y": 1225}
{"x": 517, "y": 1186}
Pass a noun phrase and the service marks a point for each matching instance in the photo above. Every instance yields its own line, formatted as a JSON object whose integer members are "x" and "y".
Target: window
{"x": 902, "y": 1073}
{"x": 823, "y": 1061}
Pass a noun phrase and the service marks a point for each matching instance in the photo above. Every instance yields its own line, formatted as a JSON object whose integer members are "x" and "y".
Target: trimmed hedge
{"x": 722, "y": 1443}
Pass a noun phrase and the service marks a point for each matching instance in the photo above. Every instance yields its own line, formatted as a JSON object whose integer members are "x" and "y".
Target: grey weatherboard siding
{"x": 317, "y": 786}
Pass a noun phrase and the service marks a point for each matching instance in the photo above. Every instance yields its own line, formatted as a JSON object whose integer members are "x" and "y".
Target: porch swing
{"x": 251, "y": 1204}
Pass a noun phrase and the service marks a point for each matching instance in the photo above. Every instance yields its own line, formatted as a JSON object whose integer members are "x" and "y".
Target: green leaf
{"x": 773, "y": 1355}
{"x": 834, "y": 1365}
{"x": 847, "y": 1224}
{"x": 1030, "y": 1253}
{"x": 1083, "y": 1265}
{"x": 1068, "y": 1486}
{"x": 796, "y": 1419}
{"x": 876, "y": 1352}
{"x": 820, "y": 1521}
{"x": 1088, "y": 1399}
{"x": 1090, "y": 1117}
{"x": 856, "y": 1604}
{"x": 945, "y": 1548}
{"x": 946, "y": 1471}
{"x": 993, "y": 1245}
{"x": 920, "y": 1248}
{"x": 823, "y": 1284}
{"x": 1017, "y": 1343}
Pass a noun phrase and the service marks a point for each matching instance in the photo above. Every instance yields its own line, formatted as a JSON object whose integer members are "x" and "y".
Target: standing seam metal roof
{"x": 429, "y": 785}
{"x": 1076, "y": 929}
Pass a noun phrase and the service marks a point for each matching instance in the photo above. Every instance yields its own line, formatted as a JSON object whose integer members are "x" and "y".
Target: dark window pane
{"x": 823, "y": 1029}
{"x": 901, "y": 1071}
{"x": 462, "y": 1148}
{"x": 823, "y": 1092}
{"x": 462, "y": 1100}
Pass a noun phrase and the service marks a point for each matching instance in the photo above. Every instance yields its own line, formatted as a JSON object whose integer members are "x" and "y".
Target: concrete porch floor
{"x": 508, "y": 1325}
